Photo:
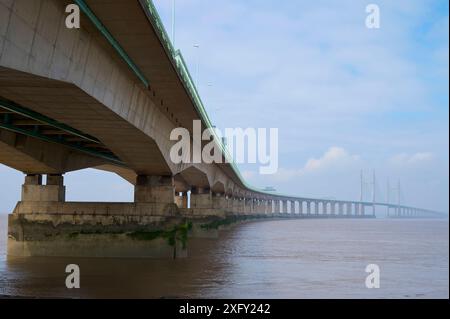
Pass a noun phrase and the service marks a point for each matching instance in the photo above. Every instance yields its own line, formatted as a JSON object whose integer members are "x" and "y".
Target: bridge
{"x": 107, "y": 96}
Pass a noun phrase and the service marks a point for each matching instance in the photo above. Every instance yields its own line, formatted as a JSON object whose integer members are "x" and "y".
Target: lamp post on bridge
{"x": 197, "y": 46}
{"x": 173, "y": 22}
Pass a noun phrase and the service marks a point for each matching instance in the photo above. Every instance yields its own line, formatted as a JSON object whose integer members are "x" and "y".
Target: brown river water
{"x": 285, "y": 259}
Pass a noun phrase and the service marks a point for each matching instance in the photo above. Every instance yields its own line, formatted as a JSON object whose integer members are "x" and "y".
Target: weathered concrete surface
{"x": 91, "y": 236}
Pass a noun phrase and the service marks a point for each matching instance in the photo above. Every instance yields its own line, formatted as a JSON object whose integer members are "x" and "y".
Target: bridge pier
{"x": 276, "y": 207}
{"x": 154, "y": 189}
{"x": 44, "y": 224}
{"x": 219, "y": 201}
{"x": 34, "y": 191}
{"x": 257, "y": 207}
{"x": 236, "y": 205}
{"x": 316, "y": 208}
{"x": 270, "y": 206}
{"x": 206, "y": 203}
{"x": 241, "y": 205}
{"x": 264, "y": 207}
{"x": 249, "y": 206}
{"x": 288, "y": 208}
{"x": 181, "y": 199}
{"x": 267, "y": 207}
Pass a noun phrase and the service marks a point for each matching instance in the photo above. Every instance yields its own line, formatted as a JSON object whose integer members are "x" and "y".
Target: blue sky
{"x": 344, "y": 97}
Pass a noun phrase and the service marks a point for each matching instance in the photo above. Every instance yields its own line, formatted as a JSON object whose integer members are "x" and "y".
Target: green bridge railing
{"x": 185, "y": 76}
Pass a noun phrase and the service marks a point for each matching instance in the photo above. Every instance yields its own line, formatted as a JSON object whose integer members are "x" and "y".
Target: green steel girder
{"x": 15, "y": 109}
{"x": 18, "y": 109}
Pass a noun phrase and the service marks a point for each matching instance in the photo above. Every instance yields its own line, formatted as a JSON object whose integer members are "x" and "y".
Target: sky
{"x": 345, "y": 98}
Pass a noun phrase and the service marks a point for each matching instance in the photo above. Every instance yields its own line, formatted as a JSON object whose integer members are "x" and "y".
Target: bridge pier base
{"x": 44, "y": 224}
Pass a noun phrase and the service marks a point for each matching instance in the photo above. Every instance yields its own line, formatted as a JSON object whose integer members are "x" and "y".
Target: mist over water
{"x": 270, "y": 259}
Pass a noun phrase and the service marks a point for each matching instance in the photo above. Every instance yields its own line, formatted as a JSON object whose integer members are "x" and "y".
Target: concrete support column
{"x": 363, "y": 209}
{"x": 277, "y": 206}
{"x": 341, "y": 208}
{"x": 324, "y": 208}
{"x": 34, "y": 191}
{"x": 288, "y": 208}
{"x": 333, "y": 208}
{"x": 300, "y": 207}
{"x": 181, "y": 199}
{"x": 201, "y": 198}
{"x": 261, "y": 207}
{"x": 242, "y": 205}
{"x": 154, "y": 189}
{"x": 316, "y": 204}
{"x": 308, "y": 208}
{"x": 230, "y": 203}
{"x": 349, "y": 209}
{"x": 249, "y": 206}
{"x": 219, "y": 201}
{"x": 237, "y": 205}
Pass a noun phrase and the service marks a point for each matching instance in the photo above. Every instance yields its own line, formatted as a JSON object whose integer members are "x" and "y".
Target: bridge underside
{"x": 68, "y": 104}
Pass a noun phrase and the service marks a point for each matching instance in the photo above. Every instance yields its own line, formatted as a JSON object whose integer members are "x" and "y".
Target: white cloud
{"x": 335, "y": 159}
{"x": 411, "y": 159}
